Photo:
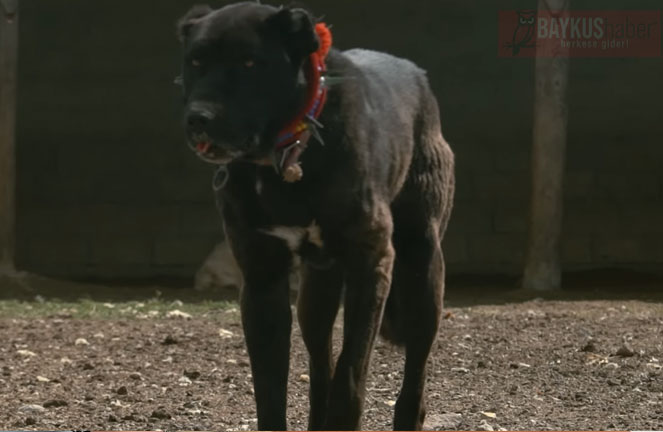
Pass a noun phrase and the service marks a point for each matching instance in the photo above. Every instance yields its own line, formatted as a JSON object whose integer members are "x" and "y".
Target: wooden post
{"x": 8, "y": 72}
{"x": 542, "y": 267}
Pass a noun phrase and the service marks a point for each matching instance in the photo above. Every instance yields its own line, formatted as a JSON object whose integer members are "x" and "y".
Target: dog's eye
{"x": 249, "y": 63}
{"x": 196, "y": 63}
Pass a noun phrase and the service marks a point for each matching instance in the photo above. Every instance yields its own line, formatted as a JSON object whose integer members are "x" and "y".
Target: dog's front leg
{"x": 266, "y": 317}
{"x": 368, "y": 267}
{"x": 267, "y": 320}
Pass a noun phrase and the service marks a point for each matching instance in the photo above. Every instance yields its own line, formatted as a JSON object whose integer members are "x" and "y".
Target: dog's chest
{"x": 291, "y": 212}
{"x": 290, "y": 216}
{"x": 281, "y": 204}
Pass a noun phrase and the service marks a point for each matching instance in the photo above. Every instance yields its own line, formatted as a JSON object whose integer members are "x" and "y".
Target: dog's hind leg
{"x": 418, "y": 289}
{"x": 317, "y": 306}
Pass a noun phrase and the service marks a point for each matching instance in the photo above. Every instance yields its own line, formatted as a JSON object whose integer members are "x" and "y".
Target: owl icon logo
{"x": 523, "y": 35}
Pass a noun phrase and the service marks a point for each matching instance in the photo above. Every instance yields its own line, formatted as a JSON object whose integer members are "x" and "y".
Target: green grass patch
{"x": 88, "y": 309}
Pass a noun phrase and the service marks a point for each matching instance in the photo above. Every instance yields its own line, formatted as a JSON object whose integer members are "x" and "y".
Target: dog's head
{"x": 241, "y": 76}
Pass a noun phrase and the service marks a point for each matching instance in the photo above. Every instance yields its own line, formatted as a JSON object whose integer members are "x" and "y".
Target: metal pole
{"x": 543, "y": 268}
{"x": 8, "y": 80}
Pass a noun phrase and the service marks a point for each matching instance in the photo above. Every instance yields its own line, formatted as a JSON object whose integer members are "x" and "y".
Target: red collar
{"x": 291, "y": 140}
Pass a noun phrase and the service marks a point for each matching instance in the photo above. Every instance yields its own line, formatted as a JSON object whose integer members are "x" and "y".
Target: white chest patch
{"x": 259, "y": 185}
{"x": 314, "y": 235}
{"x": 294, "y": 236}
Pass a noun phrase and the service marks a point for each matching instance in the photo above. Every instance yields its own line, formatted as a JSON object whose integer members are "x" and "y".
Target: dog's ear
{"x": 185, "y": 23}
{"x": 297, "y": 29}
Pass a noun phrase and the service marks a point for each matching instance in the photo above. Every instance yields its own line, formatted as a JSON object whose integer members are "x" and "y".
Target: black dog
{"x": 362, "y": 194}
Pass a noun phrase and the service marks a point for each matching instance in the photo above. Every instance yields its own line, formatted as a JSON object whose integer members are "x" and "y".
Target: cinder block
{"x": 121, "y": 249}
{"x": 55, "y": 249}
{"x": 473, "y": 157}
{"x": 137, "y": 186}
{"x": 200, "y": 219}
{"x": 454, "y": 248}
{"x": 576, "y": 250}
{"x": 468, "y": 218}
{"x": 579, "y": 184}
{"x": 591, "y": 217}
{"x": 497, "y": 250}
{"x": 183, "y": 250}
{"x": 621, "y": 249}
{"x": 639, "y": 218}
{"x": 34, "y": 220}
{"x": 464, "y": 188}
{"x": 503, "y": 188}
{"x": 190, "y": 186}
{"x": 133, "y": 220}
{"x": 512, "y": 219}
{"x": 518, "y": 161}
{"x": 653, "y": 250}
{"x": 628, "y": 186}
{"x": 131, "y": 271}
{"x": 92, "y": 220}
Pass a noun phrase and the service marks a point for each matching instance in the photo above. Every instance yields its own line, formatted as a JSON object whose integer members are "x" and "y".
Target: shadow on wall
{"x": 106, "y": 187}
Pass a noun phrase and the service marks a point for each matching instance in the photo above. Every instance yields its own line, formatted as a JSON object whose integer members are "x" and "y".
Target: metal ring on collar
{"x": 220, "y": 178}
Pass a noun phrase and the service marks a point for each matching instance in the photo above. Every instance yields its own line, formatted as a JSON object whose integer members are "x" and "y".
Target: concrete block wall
{"x": 107, "y": 188}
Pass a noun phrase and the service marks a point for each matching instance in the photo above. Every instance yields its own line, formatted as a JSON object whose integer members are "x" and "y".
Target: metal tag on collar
{"x": 279, "y": 157}
{"x": 283, "y": 157}
{"x": 220, "y": 179}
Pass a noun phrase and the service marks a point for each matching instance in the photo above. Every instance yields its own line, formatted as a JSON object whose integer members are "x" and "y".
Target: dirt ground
{"x": 534, "y": 364}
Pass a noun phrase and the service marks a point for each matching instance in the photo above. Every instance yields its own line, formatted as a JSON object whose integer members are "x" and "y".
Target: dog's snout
{"x": 198, "y": 119}
{"x": 201, "y": 114}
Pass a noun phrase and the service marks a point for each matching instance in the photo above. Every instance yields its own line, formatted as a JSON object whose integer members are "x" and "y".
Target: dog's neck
{"x": 298, "y": 100}
{"x": 292, "y": 138}
{"x": 287, "y": 116}
{"x": 308, "y": 99}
